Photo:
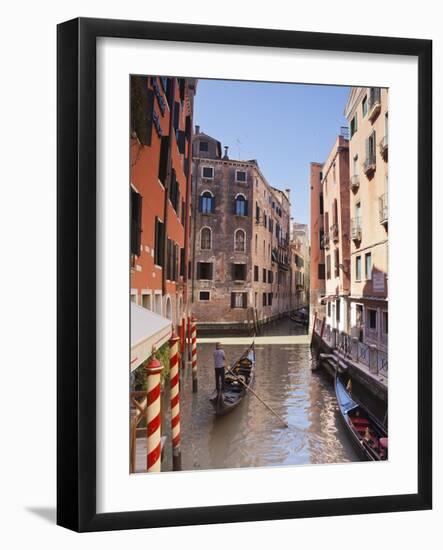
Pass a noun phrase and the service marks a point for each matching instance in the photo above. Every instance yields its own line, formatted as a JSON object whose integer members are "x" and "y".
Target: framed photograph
{"x": 244, "y": 274}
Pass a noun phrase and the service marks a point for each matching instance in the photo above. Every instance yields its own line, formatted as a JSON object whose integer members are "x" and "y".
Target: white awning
{"x": 148, "y": 330}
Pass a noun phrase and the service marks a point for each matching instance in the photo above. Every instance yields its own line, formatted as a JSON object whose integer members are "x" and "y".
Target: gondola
{"x": 234, "y": 391}
{"x": 370, "y": 438}
{"x": 300, "y": 316}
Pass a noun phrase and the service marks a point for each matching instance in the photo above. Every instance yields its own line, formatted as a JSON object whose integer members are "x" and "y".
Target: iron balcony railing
{"x": 374, "y": 104}
{"x": 370, "y": 164}
{"x": 354, "y": 182}
{"x": 334, "y": 232}
{"x": 383, "y": 208}
{"x": 356, "y": 229}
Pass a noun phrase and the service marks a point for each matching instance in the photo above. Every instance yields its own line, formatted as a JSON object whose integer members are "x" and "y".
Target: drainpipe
{"x": 167, "y": 184}
{"x": 195, "y": 203}
{"x": 188, "y": 204}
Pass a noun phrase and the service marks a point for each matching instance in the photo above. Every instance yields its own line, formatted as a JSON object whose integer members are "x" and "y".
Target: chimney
{"x": 197, "y": 129}
{"x": 225, "y": 156}
{"x": 288, "y": 194}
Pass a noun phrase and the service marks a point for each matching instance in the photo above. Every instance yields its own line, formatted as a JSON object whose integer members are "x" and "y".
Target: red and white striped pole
{"x": 153, "y": 370}
{"x": 181, "y": 333}
{"x": 194, "y": 353}
{"x": 189, "y": 340}
{"x": 175, "y": 401}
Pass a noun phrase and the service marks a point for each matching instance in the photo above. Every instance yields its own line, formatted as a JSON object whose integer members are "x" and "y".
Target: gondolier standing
{"x": 219, "y": 367}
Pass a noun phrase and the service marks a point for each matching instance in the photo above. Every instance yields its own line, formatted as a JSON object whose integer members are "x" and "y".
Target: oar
{"x": 259, "y": 398}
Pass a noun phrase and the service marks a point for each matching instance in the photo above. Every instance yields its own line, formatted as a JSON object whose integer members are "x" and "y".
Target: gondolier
{"x": 219, "y": 367}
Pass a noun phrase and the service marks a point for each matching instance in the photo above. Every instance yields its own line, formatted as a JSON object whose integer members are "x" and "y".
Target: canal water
{"x": 252, "y": 436}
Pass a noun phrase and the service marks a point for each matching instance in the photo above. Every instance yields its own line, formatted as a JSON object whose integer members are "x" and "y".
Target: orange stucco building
{"x": 161, "y": 160}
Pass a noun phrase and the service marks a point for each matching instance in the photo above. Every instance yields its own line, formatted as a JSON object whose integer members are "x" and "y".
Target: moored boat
{"x": 367, "y": 433}
{"x": 234, "y": 391}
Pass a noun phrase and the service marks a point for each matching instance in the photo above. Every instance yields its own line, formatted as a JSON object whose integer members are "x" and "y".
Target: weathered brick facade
{"x": 240, "y": 240}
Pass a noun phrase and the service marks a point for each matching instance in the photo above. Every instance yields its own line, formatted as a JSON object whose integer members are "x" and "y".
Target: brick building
{"x": 240, "y": 240}
{"x": 317, "y": 256}
{"x": 161, "y": 157}
{"x": 336, "y": 236}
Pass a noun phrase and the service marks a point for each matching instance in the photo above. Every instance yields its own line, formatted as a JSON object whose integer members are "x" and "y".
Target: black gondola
{"x": 369, "y": 436}
{"x": 234, "y": 391}
{"x": 300, "y": 316}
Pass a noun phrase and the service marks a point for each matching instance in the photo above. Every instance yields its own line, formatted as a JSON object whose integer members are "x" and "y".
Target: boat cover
{"x": 346, "y": 402}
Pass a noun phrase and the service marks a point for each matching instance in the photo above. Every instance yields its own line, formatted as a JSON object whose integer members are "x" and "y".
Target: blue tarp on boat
{"x": 345, "y": 401}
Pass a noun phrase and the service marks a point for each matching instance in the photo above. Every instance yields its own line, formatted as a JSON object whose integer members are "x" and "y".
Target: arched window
{"x": 241, "y": 205}
{"x": 205, "y": 238}
{"x": 207, "y": 203}
{"x": 240, "y": 241}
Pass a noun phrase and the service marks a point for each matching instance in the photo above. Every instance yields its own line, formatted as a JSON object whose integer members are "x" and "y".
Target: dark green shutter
{"x": 163, "y": 164}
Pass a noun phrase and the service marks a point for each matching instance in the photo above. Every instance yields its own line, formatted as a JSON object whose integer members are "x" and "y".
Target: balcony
{"x": 334, "y": 232}
{"x": 374, "y": 104}
{"x": 383, "y": 146}
{"x": 356, "y": 229}
{"x": 370, "y": 165}
{"x": 325, "y": 241}
{"x": 383, "y": 209}
{"x": 354, "y": 182}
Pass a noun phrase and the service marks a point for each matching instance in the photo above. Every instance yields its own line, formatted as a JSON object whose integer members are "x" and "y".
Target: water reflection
{"x": 250, "y": 435}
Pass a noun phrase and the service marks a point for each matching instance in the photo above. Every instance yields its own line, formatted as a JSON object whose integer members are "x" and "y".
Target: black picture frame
{"x": 76, "y": 281}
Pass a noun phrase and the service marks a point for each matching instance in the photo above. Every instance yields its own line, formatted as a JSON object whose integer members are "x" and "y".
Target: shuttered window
{"x": 163, "y": 163}
{"x": 204, "y": 270}
{"x": 239, "y": 272}
{"x": 159, "y": 242}
{"x": 136, "y": 222}
{"x": 256, "y": 273}
{"x": 239, "y": 300}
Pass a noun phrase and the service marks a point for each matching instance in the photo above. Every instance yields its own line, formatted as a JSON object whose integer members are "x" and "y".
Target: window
{"x": 172, "y": 258}
{"x": 321, "y": 204}
{"x": 207, "y": 203}
{"x": 328, "y": 266}
{"x": 204, "y": 295}
{"x": 372, "y": 319}
{"x": 240, "y": 206}
{"x": 208, "y": 172}
{"x": 368, "y": 266}
{"x": 364, "y": 106}
{"x": 163, "y": 163}
{"x": 370, "y": 148}
{"x": 329, "y": 309}
{"x": 204, "y": 146}
{"x": 146, "y": 301}
{"x": 240, "y": 241}
{"x": 204, "y": 270}
{"x": 239, "y": 272}
{"x": 264, "y": 275}
{"x": 358, "y": 268}
{"x": 321, "y": 271}
{"x": 270, "y": 296}
{"x": 385, "y": 322}
{"x": 257, "y": 213}
{"x": 270, "y": 277}
{"x": 205, "y": 238}
{"x": 240, "y": 176}
{"x": 336, "y": 263}
{"x": 337, "y": 310}
{"x": 321, "y": 236}
{"x": 159, "y": 242}
{"x": 174, "y": 191}
{"x": 265, "y": 299}
{"x": 136, "y": 222}
{"x": 353, "y": 126}
{"x": 256, "y": 273}
{"x": 239, "y": 300}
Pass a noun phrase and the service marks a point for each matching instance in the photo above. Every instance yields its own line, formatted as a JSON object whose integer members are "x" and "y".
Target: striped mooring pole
{"x": 181, "y": 333}
{"x": 174, "y": 375}
{"x": 194, "y": 353}
{"x": 153, "y": 370}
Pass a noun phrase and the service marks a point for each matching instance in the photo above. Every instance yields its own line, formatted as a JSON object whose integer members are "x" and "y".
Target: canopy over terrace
{"x": 148, "y": 331}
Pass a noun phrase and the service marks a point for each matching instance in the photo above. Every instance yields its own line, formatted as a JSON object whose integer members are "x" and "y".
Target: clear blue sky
{"x": 283, "y": 126}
